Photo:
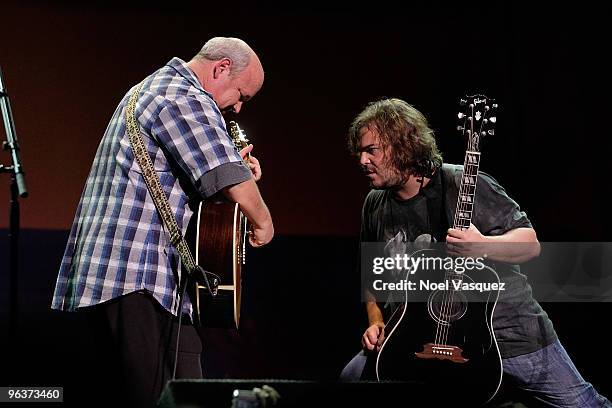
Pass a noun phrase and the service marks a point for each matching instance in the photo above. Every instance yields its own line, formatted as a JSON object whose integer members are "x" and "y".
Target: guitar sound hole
{"x": 446, "y": 306}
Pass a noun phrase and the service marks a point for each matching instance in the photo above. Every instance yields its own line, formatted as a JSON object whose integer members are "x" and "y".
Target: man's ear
{"x": 222, "y": 67}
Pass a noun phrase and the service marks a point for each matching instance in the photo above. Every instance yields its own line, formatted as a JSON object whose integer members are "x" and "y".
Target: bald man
{"x": 119, "y": 266}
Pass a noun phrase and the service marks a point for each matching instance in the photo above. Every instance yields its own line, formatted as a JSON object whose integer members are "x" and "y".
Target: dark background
{"x": 66, "y": 65}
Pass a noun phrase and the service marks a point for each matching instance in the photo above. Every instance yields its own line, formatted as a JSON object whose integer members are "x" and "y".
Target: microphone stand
{"x": 18, "y": 189}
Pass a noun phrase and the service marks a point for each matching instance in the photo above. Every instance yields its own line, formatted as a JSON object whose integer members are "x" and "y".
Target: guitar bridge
{"x": 442, "y": 352}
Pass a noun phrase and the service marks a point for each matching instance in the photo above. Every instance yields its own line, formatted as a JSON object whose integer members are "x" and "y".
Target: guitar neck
{"x": 467, "y": 191}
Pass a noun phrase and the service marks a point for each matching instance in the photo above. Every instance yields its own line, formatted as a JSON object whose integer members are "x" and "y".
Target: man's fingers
{"x": 255, "y": 168}
{"x": 454, "y": 233}
{"x": 254, "y": 241}
{"x": 365, "y": 342}
{"x": 253, "y": 160}
{"x": 246, "y": 150}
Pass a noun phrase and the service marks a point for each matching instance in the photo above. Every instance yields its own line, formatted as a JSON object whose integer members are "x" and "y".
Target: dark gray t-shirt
{"x": 521, "y": 325}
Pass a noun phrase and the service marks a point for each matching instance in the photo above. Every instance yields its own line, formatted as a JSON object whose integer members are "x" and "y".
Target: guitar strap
{"x": 159, "y": 197}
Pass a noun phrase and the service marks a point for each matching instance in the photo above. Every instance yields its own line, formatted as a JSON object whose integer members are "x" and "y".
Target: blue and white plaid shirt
{"x": 118, "y": 244}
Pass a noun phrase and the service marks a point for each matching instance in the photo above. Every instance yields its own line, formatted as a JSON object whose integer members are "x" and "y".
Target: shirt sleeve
{"x": 495, "y": 213}
{"x": 364, "y": 233}
{"x": 222, "y": 176}
{"x": 366, "y": 237}
{"x": 368, "y": 223}
{"x": 192, "y": 131}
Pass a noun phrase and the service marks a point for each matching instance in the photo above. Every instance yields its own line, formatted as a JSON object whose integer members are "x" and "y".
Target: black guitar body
{"x": 447, "y": 342}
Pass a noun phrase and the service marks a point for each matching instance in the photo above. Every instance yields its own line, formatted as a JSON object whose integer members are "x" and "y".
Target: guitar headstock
{"x": 477, "y": 119}
{"x": 238, "y": 136}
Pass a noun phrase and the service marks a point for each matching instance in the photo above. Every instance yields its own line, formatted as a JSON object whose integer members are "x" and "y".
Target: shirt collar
{"x": 432, "y": 190}
{"x": 181, "y": 67}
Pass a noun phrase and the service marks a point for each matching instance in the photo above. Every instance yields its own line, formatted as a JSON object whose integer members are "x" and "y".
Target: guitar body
{"x": 461, "y": 357}
{"x": 220, "y": 245}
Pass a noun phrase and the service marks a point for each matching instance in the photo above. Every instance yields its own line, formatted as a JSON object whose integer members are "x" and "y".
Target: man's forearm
{"x": 515, "y": 246}
{"x": 374, "y": 313}
{"x": 251, "y": 203}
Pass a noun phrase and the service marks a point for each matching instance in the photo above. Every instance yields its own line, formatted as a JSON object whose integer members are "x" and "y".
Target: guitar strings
{"x": 441, "y": 331}
{"x": 471, "y": 167}
{"x": 446, "y": 309}
{"x": 466, "y": 191}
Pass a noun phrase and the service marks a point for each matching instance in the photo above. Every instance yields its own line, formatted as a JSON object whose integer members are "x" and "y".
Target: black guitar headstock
{"x": 477, "y": 117}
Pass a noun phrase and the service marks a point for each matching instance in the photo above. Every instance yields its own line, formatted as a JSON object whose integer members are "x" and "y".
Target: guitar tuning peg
{"x": 494, "y": 106}
{"x": 462, "y": 102}
{"x": 493, "y": 119}
{"x": 461, "y": 115}
{"x": 483, "y": 133}
{"x": 460, "y": 128}
{"x": 490, "y": 132}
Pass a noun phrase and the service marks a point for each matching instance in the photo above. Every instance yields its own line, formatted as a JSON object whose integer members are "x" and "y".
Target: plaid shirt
{"x": 117, "y": 243}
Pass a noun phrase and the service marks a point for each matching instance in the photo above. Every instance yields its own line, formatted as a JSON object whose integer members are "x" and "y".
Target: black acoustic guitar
{"x": 220, "y": 244}
{"x": 447, "y": 342}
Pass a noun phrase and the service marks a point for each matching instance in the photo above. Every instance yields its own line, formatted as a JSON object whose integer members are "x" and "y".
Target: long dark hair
{"x": 403, "y": 132}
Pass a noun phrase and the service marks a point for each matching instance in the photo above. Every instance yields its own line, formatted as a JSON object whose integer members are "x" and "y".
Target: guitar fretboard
{"x": 467, "y": 190}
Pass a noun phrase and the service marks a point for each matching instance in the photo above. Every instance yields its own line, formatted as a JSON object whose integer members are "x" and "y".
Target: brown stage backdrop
{"x": 67, "y": 65}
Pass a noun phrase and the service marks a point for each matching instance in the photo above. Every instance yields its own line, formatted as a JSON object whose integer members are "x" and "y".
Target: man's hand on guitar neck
{"x": 251, "y": 161}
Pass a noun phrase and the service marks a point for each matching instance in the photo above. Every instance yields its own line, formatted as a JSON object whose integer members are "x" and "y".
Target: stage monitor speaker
{"x": 287, "y": 393}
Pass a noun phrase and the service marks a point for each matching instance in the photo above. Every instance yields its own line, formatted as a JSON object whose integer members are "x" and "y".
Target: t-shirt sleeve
{"x": 367, "y": 237}
{"x": 367, "y": 233}
{"x": 364, "y": 232}
{"x": 495, "y": 213}
{"x": 193, "y": 132}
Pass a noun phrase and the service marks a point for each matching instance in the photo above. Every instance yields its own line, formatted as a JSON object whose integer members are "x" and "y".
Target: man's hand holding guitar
{"x": 251, "y": 161}
{"x": 260, "y": 233}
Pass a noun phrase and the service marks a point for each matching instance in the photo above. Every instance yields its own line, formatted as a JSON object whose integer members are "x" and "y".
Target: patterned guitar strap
{"x": 159, "y": 198}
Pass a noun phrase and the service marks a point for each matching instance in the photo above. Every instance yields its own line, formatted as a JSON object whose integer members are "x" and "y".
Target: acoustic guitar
{"x": 220, "y": 244}
{"x": 447, "y": 342}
